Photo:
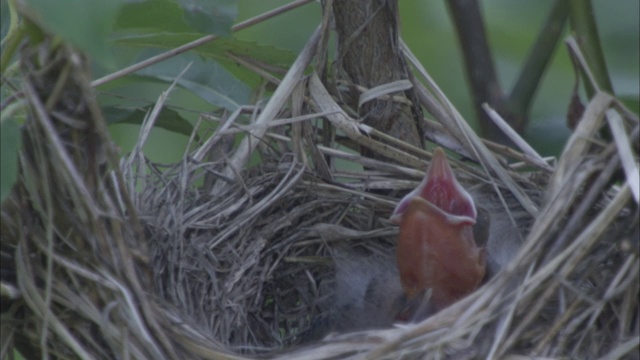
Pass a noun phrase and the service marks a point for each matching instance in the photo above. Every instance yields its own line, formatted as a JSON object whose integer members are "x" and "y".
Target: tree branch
{"x": 539, "y": 57}
{"x": 480, "y": 69}
{"x": 585, "y": 31}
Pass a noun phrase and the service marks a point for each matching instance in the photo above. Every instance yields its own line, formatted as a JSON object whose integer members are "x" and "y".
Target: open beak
{"x": 436, "y": 248}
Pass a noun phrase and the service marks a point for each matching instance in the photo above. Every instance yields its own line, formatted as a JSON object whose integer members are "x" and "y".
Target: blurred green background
{"x": 426, "y": 27}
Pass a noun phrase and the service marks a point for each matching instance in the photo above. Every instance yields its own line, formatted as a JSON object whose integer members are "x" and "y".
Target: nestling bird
{"x": 436, "y": 249}
{"x": 445, "y": 246}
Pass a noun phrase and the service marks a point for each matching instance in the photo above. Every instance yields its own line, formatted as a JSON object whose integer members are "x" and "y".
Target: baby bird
{"x": 436, "y": 250}
{"x": 446, "y": 247}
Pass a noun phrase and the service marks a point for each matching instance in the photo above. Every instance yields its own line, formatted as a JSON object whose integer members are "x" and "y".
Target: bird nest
{"x": 109, "y": 257}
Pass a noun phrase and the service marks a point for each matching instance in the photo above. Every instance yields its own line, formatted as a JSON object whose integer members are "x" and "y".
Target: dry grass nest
{"x": 108, "y": 257}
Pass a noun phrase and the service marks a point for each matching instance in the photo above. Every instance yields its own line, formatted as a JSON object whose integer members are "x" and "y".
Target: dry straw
{"x": 215, "y": 257}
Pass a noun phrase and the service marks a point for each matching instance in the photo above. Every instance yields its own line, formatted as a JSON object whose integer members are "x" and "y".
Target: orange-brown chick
{"x": 436, "y": 249}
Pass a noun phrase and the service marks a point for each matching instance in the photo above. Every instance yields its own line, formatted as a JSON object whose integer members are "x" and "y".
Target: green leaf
{"x": 9, "y": 146}
{"x": 5, "y": 19}
{"x": 207, "y": 79}
{"x": 152, "y": 16}
{"x": 168, "y": 119}
{"x": 217, "y": 50}
{"x": 213, "y": 50}
{"x": 178, "y": 16}
{"x": 84, "y": 23}
{"x": 632, "y": 102}
{"x": 212, "y": 17}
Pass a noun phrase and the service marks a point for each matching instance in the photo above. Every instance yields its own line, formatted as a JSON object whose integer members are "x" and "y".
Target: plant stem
{"x": 479, "y": 66}
{"x": 539, "y": 57}
{"x": 584, "y": 27}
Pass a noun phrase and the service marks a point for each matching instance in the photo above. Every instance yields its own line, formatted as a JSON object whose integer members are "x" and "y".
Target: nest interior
{"x": 116, "y": 257}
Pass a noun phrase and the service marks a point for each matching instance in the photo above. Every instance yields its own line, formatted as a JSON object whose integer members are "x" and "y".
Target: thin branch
{"x": 529, "y": 79}
{"x": 479, "y": 65}
{"x": 584, "y": 27}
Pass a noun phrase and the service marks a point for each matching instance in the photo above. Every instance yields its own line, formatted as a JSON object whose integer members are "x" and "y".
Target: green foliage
{"x": 217, "y": 51}
{"x": 168, "y": 119}
{"x": 206, "y": 79}
{"x": 85, "y": 24}
{"x": 5, "y": 18}
{"x": 181, "y": 16}
{"x": 632, "y": 102}
{"x": 146, "y": 29}
{"x": 119, "y": 33}
{"x": 215, "y": 17}
{"x": 151, "y": 16}
{"x": 9, "y": 146}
